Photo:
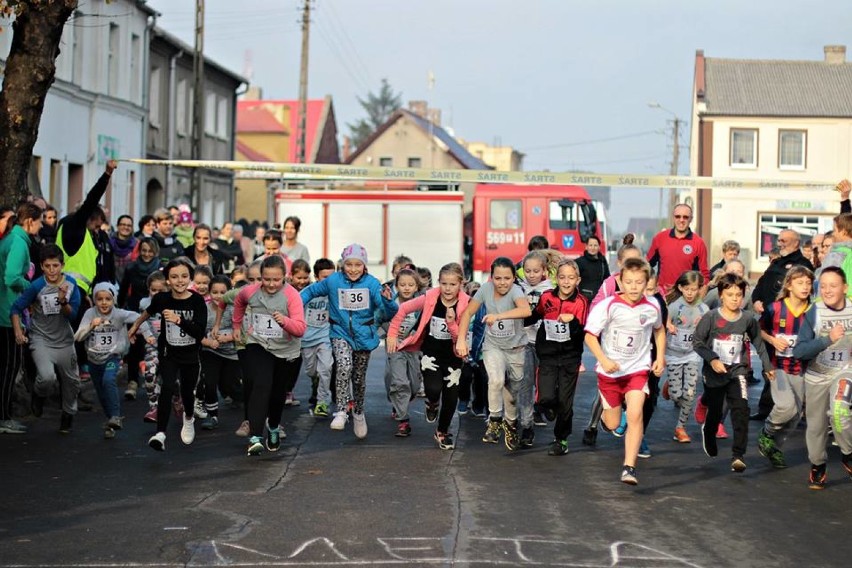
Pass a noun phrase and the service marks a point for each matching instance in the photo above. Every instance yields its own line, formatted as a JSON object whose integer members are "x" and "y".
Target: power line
{"x": 359, "y": 82}
{"x": 595, "y": 141}
{"x": 336, "y": 22}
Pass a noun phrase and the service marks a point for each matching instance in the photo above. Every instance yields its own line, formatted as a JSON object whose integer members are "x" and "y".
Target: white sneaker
{"x": 187, "y": 433}
{"x": 359, "y": 424}
{"x": 340, "y": 420}
{"x": 158, "y": 441}
{"x": 199, "y": 409}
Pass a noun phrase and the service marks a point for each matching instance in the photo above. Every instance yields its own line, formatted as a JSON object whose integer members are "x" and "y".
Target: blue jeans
{"x": 103, "y": 377}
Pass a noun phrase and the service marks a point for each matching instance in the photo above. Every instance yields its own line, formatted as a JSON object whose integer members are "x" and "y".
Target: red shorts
{"x": 613, "y": 389}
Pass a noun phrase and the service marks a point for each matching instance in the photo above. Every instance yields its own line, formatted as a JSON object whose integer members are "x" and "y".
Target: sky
{"x": 566, "y": 82}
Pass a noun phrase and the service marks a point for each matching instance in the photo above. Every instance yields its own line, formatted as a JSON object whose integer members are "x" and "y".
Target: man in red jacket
{"x": 674, "y": 251}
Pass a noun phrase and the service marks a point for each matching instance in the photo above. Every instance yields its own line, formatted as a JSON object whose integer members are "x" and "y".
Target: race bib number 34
{"x": 353, "y": 299}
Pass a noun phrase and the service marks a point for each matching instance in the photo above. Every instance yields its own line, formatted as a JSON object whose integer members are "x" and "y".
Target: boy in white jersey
{"x": 825, "y": 339}
{"x": 618, "y": 333}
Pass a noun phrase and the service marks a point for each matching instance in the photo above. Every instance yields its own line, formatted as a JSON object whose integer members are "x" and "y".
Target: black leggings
{"x": 735, "y": 392}
{"x": 13, "y": 358}
{"x": 169, "y": 373}
{"x": 215, "y": 371}
{"x": 557, "y": 383}
{"x": 273, "y": 378}
{"x": 438, "y": 390}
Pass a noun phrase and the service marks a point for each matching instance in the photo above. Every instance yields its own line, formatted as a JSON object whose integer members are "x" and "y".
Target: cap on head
{"x": 104, "y": 287}
{"x": 185, "y": 217}
{"x": 354, "y": 252}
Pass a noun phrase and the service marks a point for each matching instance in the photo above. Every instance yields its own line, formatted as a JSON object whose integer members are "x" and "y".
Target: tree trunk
{"x": 30, "y": 70}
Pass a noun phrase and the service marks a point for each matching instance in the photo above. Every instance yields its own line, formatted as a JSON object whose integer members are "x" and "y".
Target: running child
{"x": 683, "y": 364}
{"x": 300, "y": 278}
{"x": 183, "y": 315}
{"x": 201, "y": 280}
{"x": 277, "y": 321}
{"x": 722, "y": 339}
{"x": 103, "y": 329}
{"x": 473, "y": 387}
{"x": 220, "y": 368}
{"x": 618, "y": 333}
{"x": 504, "y": 348}
{"x": 150, "y": 363}
{"x": 559, "y": 346}
{"x": 354, "y": 295}
{"x": 780, "y": 324}
{"x": 825, "y": 342}
{"x": 53, "y": 300}
{"x": 316, "y": 345}
{"x": 436, "y": 333}
{"x": 402, "y": 372}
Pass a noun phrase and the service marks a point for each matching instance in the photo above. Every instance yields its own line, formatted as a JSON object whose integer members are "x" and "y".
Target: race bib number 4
{"x": 438, "y": 328}
{"x": 316, "y": 318}
{"x": 103, "y": 341}
{"x": 353, "y": 299}
{"x": 728, "y": 351}
{"x": 50, "y": 304}
{"x": 266, "y": 327}
{"x": 501, "y": 329}
{"x": 177, "y": 336}
{"x": 555, "y": 330}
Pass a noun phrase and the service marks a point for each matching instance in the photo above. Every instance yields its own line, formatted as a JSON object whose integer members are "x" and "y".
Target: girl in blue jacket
{"x": 353, "y": 296}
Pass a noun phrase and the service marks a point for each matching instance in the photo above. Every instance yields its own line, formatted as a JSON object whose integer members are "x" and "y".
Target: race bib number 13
{"x": 556, "y": 331}
{"x": 353, "y": 299}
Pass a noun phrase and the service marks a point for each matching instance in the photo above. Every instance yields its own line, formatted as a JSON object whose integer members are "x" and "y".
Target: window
{"x": 210, "y": 114}
{"x": 135, "y": 76}
{"x": 771, "y": 224}
{"x": 743, "y": 148}
{"x": 222, "y": 118}
{"x": 386, "y": 162}
{"x": 180, "y": 109}
{"x": 563, "y": 215}
{"x": 791, "y": 149}
{"x": 414, "y": 162}
{"x": 505, "y": 214}
{"x": 113, "y": 58}
{"x": 154, "y": 97}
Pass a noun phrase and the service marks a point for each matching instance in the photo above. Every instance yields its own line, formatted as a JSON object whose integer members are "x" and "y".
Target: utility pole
{"x": 197, "y": 105}
{"x": 301, "y": 139}
{"x": 675, "y": 160}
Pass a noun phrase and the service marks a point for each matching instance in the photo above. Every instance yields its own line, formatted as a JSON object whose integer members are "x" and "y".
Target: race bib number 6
{"x": 501, "y": 329}
{"x": 353, "y": 299}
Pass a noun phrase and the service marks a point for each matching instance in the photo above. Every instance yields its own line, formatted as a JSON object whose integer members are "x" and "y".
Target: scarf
{"x": 122, "y": 248}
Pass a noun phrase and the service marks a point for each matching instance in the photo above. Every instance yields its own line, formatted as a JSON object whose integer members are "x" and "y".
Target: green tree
{"x": 378, "y": 106}
{"x": 29, "y": 73}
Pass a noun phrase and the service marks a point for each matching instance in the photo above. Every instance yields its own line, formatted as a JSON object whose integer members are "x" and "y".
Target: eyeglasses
{"x": 682, "y": 217}
{"x": 126, "y": 225}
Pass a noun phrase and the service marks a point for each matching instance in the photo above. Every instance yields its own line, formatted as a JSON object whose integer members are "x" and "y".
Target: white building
{"x": 95, "y": 109}
{"x": 776, "y": 120}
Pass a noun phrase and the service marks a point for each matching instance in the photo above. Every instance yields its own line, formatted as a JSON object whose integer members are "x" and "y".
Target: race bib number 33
{"x": 353, "y": 299}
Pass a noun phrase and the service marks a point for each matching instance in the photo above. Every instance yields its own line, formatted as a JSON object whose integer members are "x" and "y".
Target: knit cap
{"x": 354, "y": 252}
{"x": 104, "y": 287}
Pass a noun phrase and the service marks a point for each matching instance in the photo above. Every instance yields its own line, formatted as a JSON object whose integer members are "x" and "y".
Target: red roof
{"x": 255, "y": 116}
{"x": 250, "y": 153}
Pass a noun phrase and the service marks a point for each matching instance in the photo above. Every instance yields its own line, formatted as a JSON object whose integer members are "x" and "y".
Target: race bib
{"x": 555, "y": 330}
{"x": 728, "y": 351}
{"x": 682, "y": 340}
{"x": 353, "y": 299}
{"x": 438, "y": 328}
{"x": 50, "y": 304}
{"x": 178, "y": 337}
{"x": 407, "y": 325}
{"x": 103, "y": 341}
{"x": 501, "y": 329}
{"x": 791, "y": 342}
{"x": 316, "y": 318}
{"x": 835, "y": 358}
{"x": 266, "y": 327}
{"x": 626, "y": 343}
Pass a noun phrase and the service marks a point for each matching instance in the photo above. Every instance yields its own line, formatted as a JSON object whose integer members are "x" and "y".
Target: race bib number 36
{"x": 556, "y": 331}
{"x": 353, "y": 299}
{"x": 177, "y": 336}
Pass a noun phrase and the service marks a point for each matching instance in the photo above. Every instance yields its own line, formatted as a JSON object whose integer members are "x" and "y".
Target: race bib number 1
{"x": 555, "y": 330}
{"x": 353, "y": 299}
{"x": 266, "y": 327}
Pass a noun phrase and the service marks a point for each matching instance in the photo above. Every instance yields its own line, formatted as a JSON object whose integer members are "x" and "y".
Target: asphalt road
{"x": 328, "y": 499}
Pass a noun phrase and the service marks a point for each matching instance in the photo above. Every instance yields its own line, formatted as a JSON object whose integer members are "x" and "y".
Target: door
{"x": 505, "y": 235}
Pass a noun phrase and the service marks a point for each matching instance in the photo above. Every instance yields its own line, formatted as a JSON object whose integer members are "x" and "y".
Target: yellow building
{"x": 504, "y": 158}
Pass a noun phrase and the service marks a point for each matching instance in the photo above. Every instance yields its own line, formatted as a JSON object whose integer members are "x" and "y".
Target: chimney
{"x": 253, "y": 93}
{"x": 434, "y": 115}
{"x": 420, "y": 108}
{"x": 347, "y": 148}
{"x": 835, "y": 54}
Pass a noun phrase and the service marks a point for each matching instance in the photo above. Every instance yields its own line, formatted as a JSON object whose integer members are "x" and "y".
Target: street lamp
{"x": 675, "y": 151}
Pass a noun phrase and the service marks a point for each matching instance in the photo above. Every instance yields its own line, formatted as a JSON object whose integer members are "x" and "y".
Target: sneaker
{"x": 527, "y": 437}
{"x": 12, "y": 427}
{"x": 510, "y": 435}
{"x": 321, "y": 410}
{"x": 291, "y": 400}
{"x": 244, "y": 430}
{"x": 151, "y": 415}
{"x": 187, "y": 433}
{"x": 644, "y": 450}
{"x": 340, "y": 420}
{"x": 109, "y": 433}
{"x": 665, "y": 391}
{"x": 421, "y": 393}
{"x": 538, "y": 419}
{"x": 478, "y": 412}
{"x": 199, "y": 410}
{"x": 359, "y": 425}
{"x": 846, "y": 462}
{"x": 767, "y": 447}
{"x": 709, "y": 444}
{"x": 628, "y": 475}
{"x": 281, "y": 433}
{"x": 115, "y": 423}
{"x": 462, "y": 408}
{"x": 273, "y": 439}
{"x": 445, "y": 440}
{"x": 158, "y": 441}
{"x": 37, "y": 405}
{"x": 210, "y": 423}
{"x": 492, "y": 431}
{"x": 721, "y": 433}
{"x": 681, "y": 436}
{"x": 621, "y": 429}
{"x": 65, "y": 422}
{"x": 431, "y": 412}
{"x": 132, "y": 388}
{"x": 255, "y": 447}
{"x": 817, "y": 477}
{"x": 737, "y": 464}
{"x": 403, "y": 430}
{"x": 558, "y": 448}
{"x": 590, "y": 436}
{"x": 700, "y": 412}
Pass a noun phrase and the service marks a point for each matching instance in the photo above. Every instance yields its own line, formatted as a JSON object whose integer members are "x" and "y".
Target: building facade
{"x": 784, "y": 121}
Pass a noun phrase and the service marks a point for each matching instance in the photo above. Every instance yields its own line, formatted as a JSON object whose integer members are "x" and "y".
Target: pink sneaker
{"x": 721, "y": 433}
{"x": 151, "y": 415}
{"x": 244, "y": 430}
{"x": 701, "y": 412}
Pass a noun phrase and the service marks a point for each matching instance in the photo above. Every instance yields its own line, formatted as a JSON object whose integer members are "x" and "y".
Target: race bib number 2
{"x": 353, "y": 299}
